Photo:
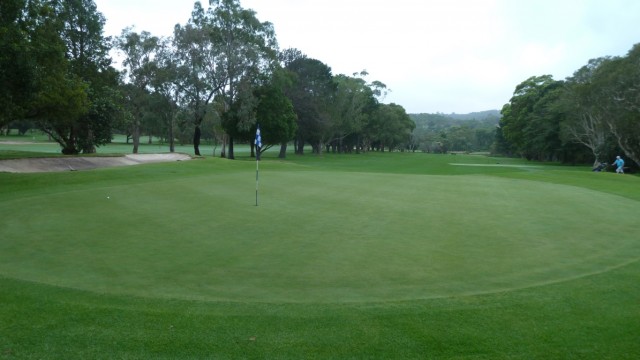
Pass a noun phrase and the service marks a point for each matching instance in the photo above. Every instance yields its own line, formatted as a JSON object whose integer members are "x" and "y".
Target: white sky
{"x": 435, "y": 55}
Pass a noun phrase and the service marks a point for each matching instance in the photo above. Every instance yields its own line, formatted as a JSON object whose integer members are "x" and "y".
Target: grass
{"x": 347, "y": 256}
{"x": 35, "y": 144}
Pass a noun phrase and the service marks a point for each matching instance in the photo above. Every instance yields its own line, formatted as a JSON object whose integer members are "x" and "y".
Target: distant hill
{"x": 481, "y": 115}
{"x": 488, "y": 118}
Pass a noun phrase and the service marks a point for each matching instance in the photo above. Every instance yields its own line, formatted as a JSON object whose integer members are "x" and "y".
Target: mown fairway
{"x": 351, "y": 256}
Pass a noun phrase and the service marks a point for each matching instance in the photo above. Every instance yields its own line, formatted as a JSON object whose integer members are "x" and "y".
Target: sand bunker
{"x": 31, "y": 165}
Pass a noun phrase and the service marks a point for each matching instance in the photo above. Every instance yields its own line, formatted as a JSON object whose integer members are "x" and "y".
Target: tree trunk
{"x": 136, "y": 138}
{"x": 89, "y": 148}
{"x": 69, "y": 145}
{"x": 299, "y": 146}
{"x": 196, "y": 141}
{"x": 626, "y": 143}
{"x": 283, "y": 151}
{"x": 223, "y": 151}
{"x": 172, "y": 146}
{"x": 231, "y": 156}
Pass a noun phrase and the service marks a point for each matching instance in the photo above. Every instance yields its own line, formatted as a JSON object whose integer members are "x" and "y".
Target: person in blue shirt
{"x": 619, "y": 163}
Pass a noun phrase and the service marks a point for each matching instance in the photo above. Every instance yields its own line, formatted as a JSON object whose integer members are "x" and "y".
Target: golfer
{"x": 619, "y": 163}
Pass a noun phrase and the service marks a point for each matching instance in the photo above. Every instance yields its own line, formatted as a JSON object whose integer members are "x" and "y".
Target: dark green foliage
{"x": 275, "y": 115}
{"x": 141, "y": 71}
{"x": 518, "y": 124}
{"x": 311, "y": 93}
{"x": 597, "y": 108}
{"x": 56, "y": 65}
{"x": 618, "y": 84}
{"x": 224, "y": 52}
{"x": 390, "y": 128}
{"x": 17, "y": 74}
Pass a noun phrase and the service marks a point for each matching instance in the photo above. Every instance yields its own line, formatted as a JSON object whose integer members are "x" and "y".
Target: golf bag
{"x": 601, "y": 167}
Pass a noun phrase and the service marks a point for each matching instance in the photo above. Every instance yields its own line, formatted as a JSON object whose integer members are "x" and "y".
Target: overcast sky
{"x": 435, "y": 55}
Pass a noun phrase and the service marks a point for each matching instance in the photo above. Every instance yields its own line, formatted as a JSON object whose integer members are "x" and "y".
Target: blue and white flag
{"x": 258, "y": 141}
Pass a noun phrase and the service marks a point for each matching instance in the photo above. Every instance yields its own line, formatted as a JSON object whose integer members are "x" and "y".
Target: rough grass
{"x": 353, "y": 256}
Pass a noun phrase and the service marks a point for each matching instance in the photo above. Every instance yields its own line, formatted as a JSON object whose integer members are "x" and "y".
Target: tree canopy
{"x": 592, "y": 115}
{"x": 221, "y": 73}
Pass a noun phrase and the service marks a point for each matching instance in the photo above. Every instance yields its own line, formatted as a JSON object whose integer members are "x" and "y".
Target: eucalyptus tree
{"x": 311, "y": 93}
{"x": 353, "y": 105}
{"x": 276, "y": 117}
{"x": 484, "y": 137}
{"x": 461, "y": 138}
{"x": 529, "y": 124}
{"x": 390, "y": 128}
{"x": 17, "y": 51}
{"x": 139, "y": 50}
{"x": 289, "y": 55}
{"x": 267, "y": 106}
{"x": 241, "y": 114}
{"x": 87, "y": 52}
{"x": 66, "y": 72}
{"x": 53, "y": 95}
{"x": 543, "y": 141}
{"x": 219, "y": 49}
{"x": 166, "y": 89}
{"x": 619, "y": 84}
{"x": 37, "y": 79}
{"x": 198, "y": 73}
{"x": 585, "y": 121}
{"x": 249, "y": 55}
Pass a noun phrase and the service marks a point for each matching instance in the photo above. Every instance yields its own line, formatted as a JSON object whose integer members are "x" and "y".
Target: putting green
{"x": 316, "y": 236}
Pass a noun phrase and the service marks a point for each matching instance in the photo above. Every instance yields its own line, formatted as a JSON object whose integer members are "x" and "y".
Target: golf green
{"x": 315, "y": 236}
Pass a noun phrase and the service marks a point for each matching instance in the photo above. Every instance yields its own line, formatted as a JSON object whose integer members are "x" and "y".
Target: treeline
{"x": 216, "y": 78}
{"x": 441, "y": 133}
{"x": 591, "y": 116}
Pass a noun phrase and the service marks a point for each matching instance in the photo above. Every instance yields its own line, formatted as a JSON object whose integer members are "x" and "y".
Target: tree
{"x": 74, "y": 95}
{"x": 58, "y": 106}
{"x": 166, "y": 87}
{"x": 140, "y": 68}
{"x": 17, "y": 70}
{"x": 529, "y": 124}
{"x": 87, "y": 51}
{"x": 276, "y": 117}
{"x": 240, "y": 118}
{"x": 38, "y": 83}
{"x": 619, "y": 82}
{"x": 543, "y": 141}
{"x": 249, "y": 54}
{"x": 198, "y": 73}
{"x": 391, "y": 128}
{"x": 311, "y": 93}
{"x": 461, "y": 132}
{"x": 137, "y": 104}
{"x": 60, "y": 97}
{"x": 584, "y": 123}
{"x": 289, "y": 55}
{"x": 218, "y": 49}
{"x": 461, "y": 138}
{"x": 354, "y": 104}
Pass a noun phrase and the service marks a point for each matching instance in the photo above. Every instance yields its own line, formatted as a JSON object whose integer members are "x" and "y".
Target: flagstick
{"x": 258, "y": 143}
{"x": 257, "y": 172}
